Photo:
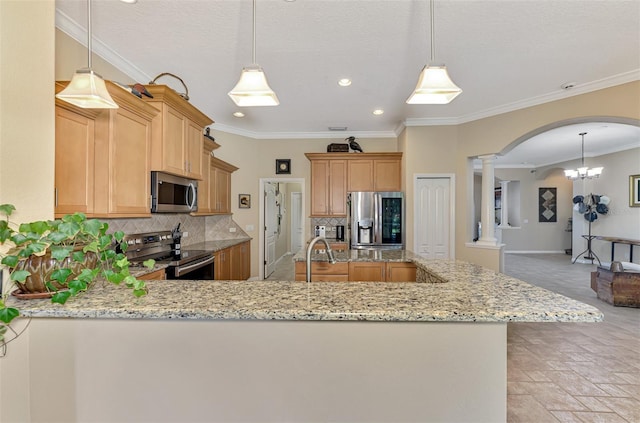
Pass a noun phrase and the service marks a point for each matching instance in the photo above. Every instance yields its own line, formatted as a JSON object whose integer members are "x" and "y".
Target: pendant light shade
{"x": 434, "y": 87}
{"x": 252, "y": 89}
{"x": 87, "y": 89}
{"x": 434, "y": 84}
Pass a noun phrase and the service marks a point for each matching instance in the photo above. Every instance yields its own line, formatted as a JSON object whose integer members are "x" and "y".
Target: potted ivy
{"x": 59, "y": 259}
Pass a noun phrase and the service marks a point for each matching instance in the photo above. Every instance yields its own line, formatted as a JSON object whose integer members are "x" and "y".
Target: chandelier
{"x": 583, "y": 171}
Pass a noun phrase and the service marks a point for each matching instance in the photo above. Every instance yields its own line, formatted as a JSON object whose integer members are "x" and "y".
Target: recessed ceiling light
{"x": 337, "y": 128}
{"x": 238, "y": 114}
{"x": 378, "y": 112}
{"x": 344, "y": 82}
{"x": 129, "y": 1}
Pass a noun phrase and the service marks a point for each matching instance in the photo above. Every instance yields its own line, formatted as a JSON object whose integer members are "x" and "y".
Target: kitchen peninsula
{"x": 289, "y": 351}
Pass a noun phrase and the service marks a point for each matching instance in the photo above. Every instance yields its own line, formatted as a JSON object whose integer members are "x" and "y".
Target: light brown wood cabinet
{"x": 240, "y": 255}
{"x": 220, "y": 186}
{"x": 74, "y": 159}
{"x": 367, "y": 271}
{"x": 222, "y": 267}
{"x": 380, "y": 172}
{"x": 322, "y": 271}
{"x": 233, "y": 263}
{"x": 214, "y": 190}
{"x": 177, "y": 133}
{"x": 400, "y": 272}
{"x": 102, "y": 157}
{"x": 335, "y": 174}
{"x": 328, "y": 188}
{"x": 357, "y": 271}
{"x": 159, "y": 274}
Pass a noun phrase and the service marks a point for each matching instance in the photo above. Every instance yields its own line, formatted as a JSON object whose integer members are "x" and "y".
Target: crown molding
{"x": 67, "y": 25}
{"x": 302, "y": 135}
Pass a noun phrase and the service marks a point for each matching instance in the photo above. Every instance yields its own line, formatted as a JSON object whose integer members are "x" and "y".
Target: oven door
{"x": 201, "y": 269}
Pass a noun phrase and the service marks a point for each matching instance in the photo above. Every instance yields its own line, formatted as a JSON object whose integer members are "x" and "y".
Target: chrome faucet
{"x": 313, "y": 242}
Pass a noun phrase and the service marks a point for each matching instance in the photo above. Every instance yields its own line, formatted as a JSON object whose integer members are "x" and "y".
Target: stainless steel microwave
{"x": 173, "y": 194}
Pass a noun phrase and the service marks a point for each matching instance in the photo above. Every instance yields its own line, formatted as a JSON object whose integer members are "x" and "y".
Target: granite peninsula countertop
{"x": 359, "y": 255}
{"x": 218, "y": 245}
{"x": 470, "y": 293}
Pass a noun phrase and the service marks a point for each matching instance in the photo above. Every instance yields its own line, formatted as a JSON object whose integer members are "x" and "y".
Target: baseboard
{"x": 535, "y": 252}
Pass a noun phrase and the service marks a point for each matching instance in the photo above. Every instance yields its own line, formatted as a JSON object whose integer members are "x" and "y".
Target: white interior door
{"x": 296, "y": 222}
{"x": 433, "y": 217}
{"x": 270, "y": 228}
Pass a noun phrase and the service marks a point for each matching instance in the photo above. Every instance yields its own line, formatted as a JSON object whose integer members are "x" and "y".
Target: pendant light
{"x": 583, "y": 171}
{"x": 87, "y": 89}
{"x": 434, "y": 84}
{"x": 252, "y": 89}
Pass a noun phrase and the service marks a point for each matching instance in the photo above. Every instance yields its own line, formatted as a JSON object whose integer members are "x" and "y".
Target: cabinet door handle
{"x": 56, "y": 199}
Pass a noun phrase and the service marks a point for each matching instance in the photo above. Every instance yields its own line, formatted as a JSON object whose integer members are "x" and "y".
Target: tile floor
{"x": 572, "y": 372}
{"x": 565, "y": 372}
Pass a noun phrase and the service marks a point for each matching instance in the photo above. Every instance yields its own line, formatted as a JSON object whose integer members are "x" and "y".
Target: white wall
{"x": 532, "y": 235}
{"x": 622, "y": 220}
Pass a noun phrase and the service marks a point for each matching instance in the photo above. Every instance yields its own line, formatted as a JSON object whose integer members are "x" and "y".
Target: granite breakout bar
{"x": 292, "y": 351}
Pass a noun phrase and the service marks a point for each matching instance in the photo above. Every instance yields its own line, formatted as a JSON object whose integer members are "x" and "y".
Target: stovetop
{"x": 173, "y": 259}
{"x": 160, "y": 246}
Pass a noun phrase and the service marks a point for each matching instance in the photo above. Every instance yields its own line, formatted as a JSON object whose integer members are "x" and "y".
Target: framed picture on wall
{"x": 634, "y": 191}
{"x": 547, "y": 199}
{"x": 244, "y": 201}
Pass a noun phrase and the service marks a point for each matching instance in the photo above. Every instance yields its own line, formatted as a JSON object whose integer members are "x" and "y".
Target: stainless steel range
{"x": 164, "y": 248}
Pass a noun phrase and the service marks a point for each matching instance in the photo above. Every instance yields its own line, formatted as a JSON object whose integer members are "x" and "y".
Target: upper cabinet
{"x": 214, "y": 190}
{"x": 328, "y": 187}
{"x": 375, "y": 172}
{"x": 102, "y": 165}
{"x": 335, "y": 174}
{"x": 177, "y": 140}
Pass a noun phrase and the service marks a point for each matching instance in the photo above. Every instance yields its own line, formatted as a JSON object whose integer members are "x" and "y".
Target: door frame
{"x": 261, "y": 239}
{"x": 452, "y": 206}
{"x": 291, "y": 235}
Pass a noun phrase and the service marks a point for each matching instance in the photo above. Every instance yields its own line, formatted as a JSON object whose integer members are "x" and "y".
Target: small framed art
{"x": 634, "y": 191}
{"x": 283, "y": 166}
{"x": 244, "y": 201}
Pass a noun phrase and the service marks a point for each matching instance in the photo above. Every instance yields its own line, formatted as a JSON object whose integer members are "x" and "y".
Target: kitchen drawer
{"x": 159, "y": 274}
{"x": 323, "y": 271}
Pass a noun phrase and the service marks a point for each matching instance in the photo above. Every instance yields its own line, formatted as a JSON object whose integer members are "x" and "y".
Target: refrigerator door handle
{"x": 377, "y": 222}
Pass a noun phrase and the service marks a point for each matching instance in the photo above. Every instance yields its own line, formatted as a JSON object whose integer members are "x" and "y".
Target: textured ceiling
{"x": 503, "y": 54}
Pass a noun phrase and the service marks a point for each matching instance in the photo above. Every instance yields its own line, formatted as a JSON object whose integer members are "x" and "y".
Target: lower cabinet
{"x": 233, "y": 263}
{"x": 367, "y": 271}
{"x": 159, "y": 274}
{"x": 357, "y": 271}
{"x": 322, "y": 271}
{"x": 400, "y": 272}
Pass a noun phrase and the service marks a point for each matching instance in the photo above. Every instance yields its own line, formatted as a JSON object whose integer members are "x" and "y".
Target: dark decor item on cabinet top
{"x": 337, "y": 148}
{"x": 283, "y": 166}
{"x": 353, "y": 144}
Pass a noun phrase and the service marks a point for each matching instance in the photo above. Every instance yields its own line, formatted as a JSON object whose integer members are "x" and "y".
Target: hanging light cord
{"x": 253, "y": 46}
{"x": 583, "y": 134}
{"x": 433, "y": 31}
{"x": 89, "y": 33}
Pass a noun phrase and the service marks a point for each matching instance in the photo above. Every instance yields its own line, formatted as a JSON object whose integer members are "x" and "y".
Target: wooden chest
{"x": 617, "y": 288}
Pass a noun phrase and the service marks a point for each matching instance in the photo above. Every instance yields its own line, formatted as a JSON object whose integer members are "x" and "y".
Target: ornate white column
{"x": 488, "y": 213}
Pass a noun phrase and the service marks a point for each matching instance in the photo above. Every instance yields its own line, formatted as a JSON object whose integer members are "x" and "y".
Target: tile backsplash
{"x": 329, "y": 223}
{"x": 200, "y": 228}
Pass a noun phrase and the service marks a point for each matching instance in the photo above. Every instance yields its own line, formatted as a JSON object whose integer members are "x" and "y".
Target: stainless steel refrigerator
{"x": 376, "y": 220}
